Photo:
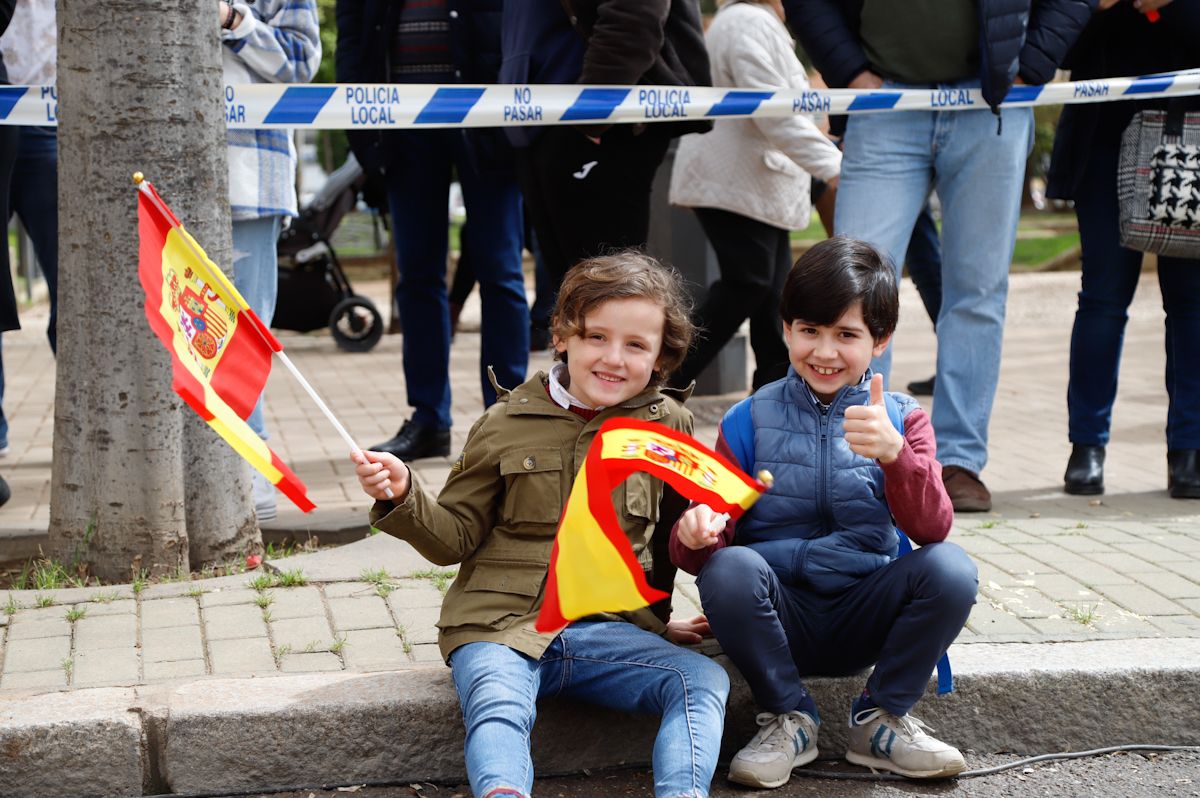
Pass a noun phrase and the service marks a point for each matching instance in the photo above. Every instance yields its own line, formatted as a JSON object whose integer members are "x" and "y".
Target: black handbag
{"x": 1158, "y": 182}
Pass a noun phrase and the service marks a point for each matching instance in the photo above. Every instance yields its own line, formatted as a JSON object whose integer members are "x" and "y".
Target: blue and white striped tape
{"x": 348, "y": 106}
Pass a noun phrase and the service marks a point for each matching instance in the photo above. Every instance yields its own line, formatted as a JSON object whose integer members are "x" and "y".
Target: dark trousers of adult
{"x": 418, "y": 192}
{"x": 1110, "y": 277}
{"x": 754, "y": 259}
{"x": 585, "y": 199}
{"x": 924, "y": 263}
{"x": 901, "y": 618}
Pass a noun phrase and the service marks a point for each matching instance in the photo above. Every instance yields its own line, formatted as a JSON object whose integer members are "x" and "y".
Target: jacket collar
{"x": 531, "y": 397}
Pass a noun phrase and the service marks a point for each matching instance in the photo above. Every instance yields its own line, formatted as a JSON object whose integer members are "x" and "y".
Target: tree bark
{"x": 137, "y": 479}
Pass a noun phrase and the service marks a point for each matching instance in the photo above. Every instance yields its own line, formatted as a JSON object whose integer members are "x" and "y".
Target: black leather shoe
{"x": 1085, "y": 470}
{"x": 1183, "y": 473}
{"x": 415, "y": 441}
{"x": 922, "y": 387}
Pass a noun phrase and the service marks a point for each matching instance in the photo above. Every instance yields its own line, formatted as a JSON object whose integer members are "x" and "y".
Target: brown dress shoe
{"x": 967, "y": 493}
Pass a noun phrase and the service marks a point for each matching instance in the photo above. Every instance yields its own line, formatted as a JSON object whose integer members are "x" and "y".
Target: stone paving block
{"x": 977, "y": 543}
{"x": 105, "y": 632}
{"x": 1111, "y": 619}
{"x": 1177, "y": 625}
{"x": 368, "y": 612}
{"x": 250, "y": 656}
{"x": 96, "y": 609}
{"x": 36, "y": 654}
{"x": 414, "y": 594}
{"x": 169, "y": 645}
{"x": 233, "y": 622}
{"x": 1154, "y": 552}
{"x": 1178, "y": 542}
{"x": 1096, "y": 576}
{"x": 373, "y": 649}
{"x": 1170, "y": 585}
{"x": 110, "y": 667}
{"x": 21, "y": 629}
{"x": 1188, "y": 570}
{"x": 426, "y": 653}
{"x": 179, "y": 669}
{"x": 1060, "y": 628}
{"x": 162, "y": 613}
{"x": 1078, "y": 542}
{"x": 419, "y": 625}
{"x": 988, "y": 620}
{"x": 54, "y": 612}
{"x": 224, "y": 598}
{"x": 1009, "y": 535}
{"x": 1018, "y": 564}
{"x": 35, "y": 680}
{"x": 1104, "y": 534}
{"x": 1025, "y": 603}
{"x": 1060, "y": 587}
{"x": 299, "y": 633}
{"x": 353, "y": 589}
{"x": 1141, "y": 600}
{"x": 1125, "y": 563}
{"x": 171, "y": 590}
{"x": 1191, "y": 604}
{"x": 310, "y": 662}
{"x": 297, "y": 602}
{"x": 1059, "y": 557}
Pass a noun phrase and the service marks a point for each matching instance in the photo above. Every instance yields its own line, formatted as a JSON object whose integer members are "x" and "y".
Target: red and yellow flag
{"x": 220, "y": 350}
{"x": 592, "y": 566}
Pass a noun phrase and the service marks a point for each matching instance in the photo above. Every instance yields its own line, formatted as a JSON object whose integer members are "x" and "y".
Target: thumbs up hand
{"x": 868, "y": 430}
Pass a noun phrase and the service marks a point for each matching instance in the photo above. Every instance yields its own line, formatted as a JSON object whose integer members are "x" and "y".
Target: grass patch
{"x": 68, "y": 666}
{"x": 140, "y": 582}
{"x": 292, "y": 578}
{"x": 1084, "y": 614}
{"x": 337, "y": 645}
{"x": 987, "y": 525}
{"x": 1031, "y": 252}
{"x": 440, "y": 577}
{"x": 43, "y": 601}
{"x": 195, "y": 592}
{"x": 263, "y": 600}
{"x": 380, "y": 579}
{"x": 10, "y": 609}
{"x": 107, "y": 597}
{"x": 75, "y": 613}
{"x": 45, "y": 574}
{"x": 262, "y": 582}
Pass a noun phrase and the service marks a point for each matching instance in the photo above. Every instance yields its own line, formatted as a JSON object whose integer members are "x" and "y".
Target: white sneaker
{"x": 784, "y": 742}
{"x": 264, "y": 498}
{"x": 881, "y": 741}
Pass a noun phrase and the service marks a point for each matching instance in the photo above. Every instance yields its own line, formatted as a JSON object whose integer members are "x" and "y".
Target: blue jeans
{"x": 901, "y": 618}
{"x": 612, "y": 664}
{"x": 976, "y": 162}
{"x": 33, "y": 195}
{"x": 1110, "y": 277}
{"x": 418, "y": 192}
{"x": 256, "y": 277}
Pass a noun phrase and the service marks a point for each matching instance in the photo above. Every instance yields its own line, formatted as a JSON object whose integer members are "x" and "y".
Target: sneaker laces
{"x": 907, "y": 725}
{"x": 777, "y": 731}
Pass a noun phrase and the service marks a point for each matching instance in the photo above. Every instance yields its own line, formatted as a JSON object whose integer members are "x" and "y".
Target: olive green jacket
{"x": 499, "y": 510}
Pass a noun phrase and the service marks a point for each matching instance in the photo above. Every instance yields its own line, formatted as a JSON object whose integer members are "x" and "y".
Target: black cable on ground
{"x": 806, "y": 772}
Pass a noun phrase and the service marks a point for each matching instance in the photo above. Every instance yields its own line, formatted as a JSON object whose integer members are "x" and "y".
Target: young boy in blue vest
{"x": 809, "y": 581}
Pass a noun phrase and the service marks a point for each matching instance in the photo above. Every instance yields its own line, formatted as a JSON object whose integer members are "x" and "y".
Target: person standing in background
{"x": 443, "y": 42}
{"x": 272, "y": 41}
{"x": 748, "y": 183}
{"x": 8, "y": 154}
{"x": 30, "y": 49}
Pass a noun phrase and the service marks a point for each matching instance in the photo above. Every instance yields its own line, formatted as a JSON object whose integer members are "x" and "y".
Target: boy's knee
{"x": 953, "y": 572}
{"x": 733, "y": 569}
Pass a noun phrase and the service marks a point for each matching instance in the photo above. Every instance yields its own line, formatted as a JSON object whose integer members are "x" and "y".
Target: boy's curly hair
{"x": 627, "y": 274}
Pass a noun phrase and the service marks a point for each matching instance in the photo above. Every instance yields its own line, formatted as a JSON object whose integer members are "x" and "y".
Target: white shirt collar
{"x": 561, "y": 396}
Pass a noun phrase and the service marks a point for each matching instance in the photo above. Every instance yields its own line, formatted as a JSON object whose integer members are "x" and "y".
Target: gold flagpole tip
{"x": 766, "y": 478}
{"x": 138, "y": 177}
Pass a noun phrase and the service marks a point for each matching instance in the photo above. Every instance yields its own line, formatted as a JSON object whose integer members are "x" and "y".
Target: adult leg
{"x": 618, "y": 665}
{"x": 746, "y": 255}
{"x": 493, "y": 237}
{"x": 418, "y": 191}
{"x": 771, "y": 359}
{"x": 980, "y": 174}
{"x": 887, "y": 168}
{"x": 256, "y": 277}
{"x": 498, "y": 690}
{"x": 1108, "y": 281}
{"x": 924, "y": 262}
{"x": 1179, "y": 279}
{"x": 34, "y": 197}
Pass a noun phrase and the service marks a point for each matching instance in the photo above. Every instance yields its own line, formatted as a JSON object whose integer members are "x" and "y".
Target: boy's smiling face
{"x": 829, "y": 357}
{"x": 615, "y": 355}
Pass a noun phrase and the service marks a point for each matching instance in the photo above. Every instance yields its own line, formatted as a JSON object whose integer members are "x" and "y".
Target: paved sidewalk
{"x": 1054, "y": 569}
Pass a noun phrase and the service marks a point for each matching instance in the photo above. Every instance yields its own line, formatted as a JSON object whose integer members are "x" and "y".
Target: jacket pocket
{"x": 533, "y": 487}
{"x": 496, "y": 593}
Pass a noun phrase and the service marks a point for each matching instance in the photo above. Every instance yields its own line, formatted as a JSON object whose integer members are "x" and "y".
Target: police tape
{"x": 345, "y": 106}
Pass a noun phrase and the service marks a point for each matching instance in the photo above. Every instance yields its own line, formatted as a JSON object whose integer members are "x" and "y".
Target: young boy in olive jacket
{"x": 620, "y": 326}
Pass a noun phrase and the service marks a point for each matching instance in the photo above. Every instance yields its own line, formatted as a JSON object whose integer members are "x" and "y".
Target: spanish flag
{"x": 220, "y": 350}
{"x": 592, "y": 566}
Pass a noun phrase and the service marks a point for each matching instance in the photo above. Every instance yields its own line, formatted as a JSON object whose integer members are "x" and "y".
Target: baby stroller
{"x": 313, "y": 289}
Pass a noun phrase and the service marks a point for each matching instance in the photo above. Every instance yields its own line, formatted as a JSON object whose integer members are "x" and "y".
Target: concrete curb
{"x": 245, "y": 734}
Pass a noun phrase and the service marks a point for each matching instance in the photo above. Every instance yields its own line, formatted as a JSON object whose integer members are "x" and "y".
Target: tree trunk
{"x": 135, "y": 473}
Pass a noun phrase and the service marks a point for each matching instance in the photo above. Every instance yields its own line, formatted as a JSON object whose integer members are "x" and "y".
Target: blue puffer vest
{"x": 825, "y": 523}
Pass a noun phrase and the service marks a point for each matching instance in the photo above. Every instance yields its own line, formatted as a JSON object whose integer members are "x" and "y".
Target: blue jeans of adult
{"x": 418, "y": 193}
{"x": 612, "y": 664}
{"x": 901, "y": 618}
{"x": 976, "y": 163}
{"x": 1110, "y": 277}
{"x": 256, "y": 277}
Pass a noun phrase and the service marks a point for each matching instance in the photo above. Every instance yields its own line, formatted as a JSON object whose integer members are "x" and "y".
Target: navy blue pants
{"x": 901, "y": 618}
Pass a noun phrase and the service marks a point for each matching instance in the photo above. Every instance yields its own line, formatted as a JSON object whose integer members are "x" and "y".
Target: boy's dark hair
{"x": 627, "y": 274}
{"x": 835, "y": 274}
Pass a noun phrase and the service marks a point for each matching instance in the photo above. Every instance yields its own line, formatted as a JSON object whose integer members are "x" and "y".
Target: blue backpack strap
{"x": 737, "y": 427}
{"x": 904, "y": 546}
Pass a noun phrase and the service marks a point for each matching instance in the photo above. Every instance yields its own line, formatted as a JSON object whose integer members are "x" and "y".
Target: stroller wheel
{"x": 355, "y": 324}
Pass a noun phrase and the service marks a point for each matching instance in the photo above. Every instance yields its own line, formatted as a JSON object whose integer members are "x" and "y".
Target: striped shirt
{"x": 420, "y": 46}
